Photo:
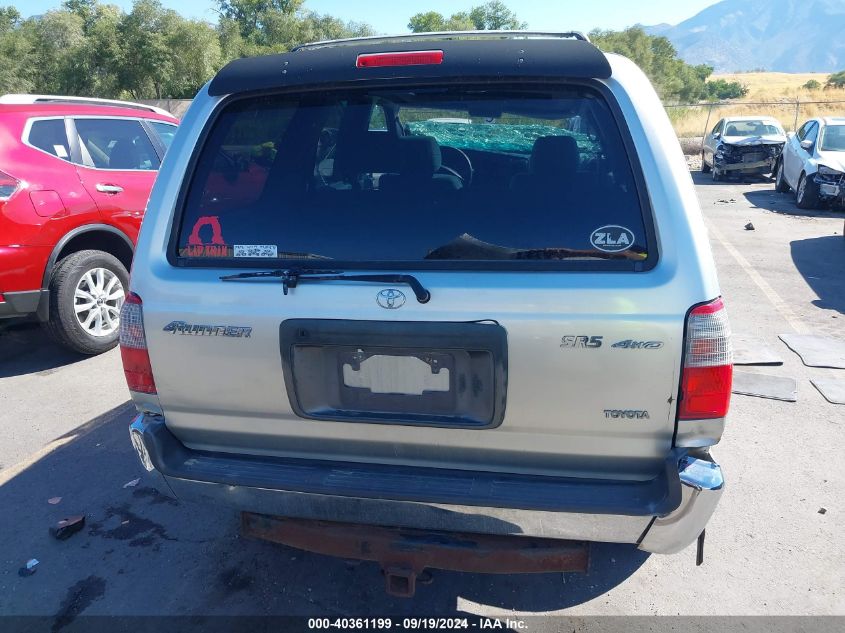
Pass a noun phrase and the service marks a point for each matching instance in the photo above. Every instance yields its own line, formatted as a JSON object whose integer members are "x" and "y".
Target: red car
{"x": 75, "y": 176}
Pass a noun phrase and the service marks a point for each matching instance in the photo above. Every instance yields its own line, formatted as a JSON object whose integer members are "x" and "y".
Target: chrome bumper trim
{"x": 702, "y": 485}
{"x": 664, "y": 534}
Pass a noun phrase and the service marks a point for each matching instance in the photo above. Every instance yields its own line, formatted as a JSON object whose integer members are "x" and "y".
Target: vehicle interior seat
{"x": 553, "y": 165}
{"x": 368, "y": 153}
{"x": 419, "y": 161}
{"x": 732, "y": 130}
{"x": 125, "y": 155}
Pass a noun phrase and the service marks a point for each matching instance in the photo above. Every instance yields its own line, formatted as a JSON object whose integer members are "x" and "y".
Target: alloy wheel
{"x": 97, "y": 301}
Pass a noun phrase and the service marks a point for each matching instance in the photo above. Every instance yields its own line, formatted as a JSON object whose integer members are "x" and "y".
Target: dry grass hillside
{"x": 783, "y": 89}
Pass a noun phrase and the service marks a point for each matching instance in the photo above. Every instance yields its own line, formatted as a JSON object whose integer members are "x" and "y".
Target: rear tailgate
{"x": 588, "y": 385}
{"x": 552, "y": 340}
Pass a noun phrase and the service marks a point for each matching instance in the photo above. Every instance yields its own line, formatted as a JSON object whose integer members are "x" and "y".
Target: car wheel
{"x": 780, "y": 181}
{"x": 807, "y": 194}
{"x": 86, "y": 293}
{"x": 705, "y": 168}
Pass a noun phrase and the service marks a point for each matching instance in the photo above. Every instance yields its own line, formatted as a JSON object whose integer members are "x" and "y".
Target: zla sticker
{"x": 612, "y": 238}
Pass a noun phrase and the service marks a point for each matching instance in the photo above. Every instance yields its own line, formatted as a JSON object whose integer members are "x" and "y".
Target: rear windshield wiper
{"x": 290, "y": 278}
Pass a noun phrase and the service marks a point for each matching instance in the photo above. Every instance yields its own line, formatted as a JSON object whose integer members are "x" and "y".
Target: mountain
{"x": 776, "y": 35}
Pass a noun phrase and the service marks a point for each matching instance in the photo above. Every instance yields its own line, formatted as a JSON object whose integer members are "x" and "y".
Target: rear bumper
{"x": 663, "y": 515}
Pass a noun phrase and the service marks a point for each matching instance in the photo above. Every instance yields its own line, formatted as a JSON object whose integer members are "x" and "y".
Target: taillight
{"x": 8, "y": 186}
{"x": 410, "y": 58}
{"x": 708, "y": 364}
{"x": 133, "y": 346}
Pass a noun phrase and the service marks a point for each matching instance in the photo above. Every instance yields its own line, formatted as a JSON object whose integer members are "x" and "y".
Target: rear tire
{"x": 780, "y": 181}
{"x": 86, "y": 292}
{"x": 807, "y": 194}
{"x": 705, "y": 168}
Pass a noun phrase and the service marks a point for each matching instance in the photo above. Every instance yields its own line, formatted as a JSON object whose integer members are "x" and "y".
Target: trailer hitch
{"x": 406, "y": 554}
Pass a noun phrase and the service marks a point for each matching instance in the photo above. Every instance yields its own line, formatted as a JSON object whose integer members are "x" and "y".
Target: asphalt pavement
{"x": 774, "y": 546}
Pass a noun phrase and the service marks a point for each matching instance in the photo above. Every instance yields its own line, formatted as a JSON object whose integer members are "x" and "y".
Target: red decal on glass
{"x": 216, "y": 232}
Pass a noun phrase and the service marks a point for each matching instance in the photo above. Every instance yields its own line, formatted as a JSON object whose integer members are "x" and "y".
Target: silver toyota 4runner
{"x": 393, "y": 286}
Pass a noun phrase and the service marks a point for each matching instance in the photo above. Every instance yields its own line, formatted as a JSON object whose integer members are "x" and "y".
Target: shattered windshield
{"x": 752, "y": 128}
{"x": 833, "y": 139}
{"x": 502, "y": 137}
{"x": 415, "y": 175}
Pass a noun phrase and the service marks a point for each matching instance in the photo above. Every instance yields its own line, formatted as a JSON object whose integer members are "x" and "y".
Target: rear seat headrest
{"x": 419, "y": 156}
{"x": 553, "y": 155}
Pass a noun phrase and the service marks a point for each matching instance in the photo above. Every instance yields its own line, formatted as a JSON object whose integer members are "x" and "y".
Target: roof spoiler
{"x": 499, "y": 55}
{"x": 22, "y": 99}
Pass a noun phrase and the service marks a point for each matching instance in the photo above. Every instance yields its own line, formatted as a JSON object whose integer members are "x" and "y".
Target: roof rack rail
{"x": 446, "y": 35}
{"x": 22, "y": 99}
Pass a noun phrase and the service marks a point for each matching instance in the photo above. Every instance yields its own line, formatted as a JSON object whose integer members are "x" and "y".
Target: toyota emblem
{"x": 390, "y": 299}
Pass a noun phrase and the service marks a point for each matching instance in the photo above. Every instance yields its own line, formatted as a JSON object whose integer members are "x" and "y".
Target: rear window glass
{"x": 49, "y": 135}
{"x": 413, "y": 176}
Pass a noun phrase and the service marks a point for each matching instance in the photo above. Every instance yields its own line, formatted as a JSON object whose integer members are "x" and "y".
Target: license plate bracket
{"x": 418, "y": 373}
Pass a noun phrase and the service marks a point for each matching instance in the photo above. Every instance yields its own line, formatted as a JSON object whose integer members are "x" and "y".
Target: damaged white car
{"x": 742, "y": 146}
{"x": 813, "y": 164}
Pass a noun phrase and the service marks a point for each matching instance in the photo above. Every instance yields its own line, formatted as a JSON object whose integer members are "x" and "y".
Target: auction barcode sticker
{"x": 255, "y": 250}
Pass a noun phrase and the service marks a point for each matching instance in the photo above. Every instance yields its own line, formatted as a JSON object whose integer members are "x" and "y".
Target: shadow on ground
{"x": 821, "y": 260}
{"x": 190, "y": 560}
{"x": 784, "y": 203}
{"x": 26, "y": 349}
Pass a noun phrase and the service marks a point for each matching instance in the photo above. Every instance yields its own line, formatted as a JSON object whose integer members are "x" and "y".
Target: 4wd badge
{"x": 612, "y": 238}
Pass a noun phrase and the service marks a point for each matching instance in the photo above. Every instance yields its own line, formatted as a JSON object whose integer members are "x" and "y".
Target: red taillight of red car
{"x": 708, "y": 364}
{"x": 133, "y": 346}
{"x": 409, "y": 58}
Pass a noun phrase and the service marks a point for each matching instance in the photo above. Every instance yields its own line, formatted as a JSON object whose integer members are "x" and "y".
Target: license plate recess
{"x": 449, "y": 374}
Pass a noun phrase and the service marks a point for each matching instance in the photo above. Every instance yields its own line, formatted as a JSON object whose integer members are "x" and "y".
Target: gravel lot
{"x": 774, "y": 547}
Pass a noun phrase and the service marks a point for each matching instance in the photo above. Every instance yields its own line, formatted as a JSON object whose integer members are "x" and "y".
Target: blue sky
{"x": 392, "y": 16}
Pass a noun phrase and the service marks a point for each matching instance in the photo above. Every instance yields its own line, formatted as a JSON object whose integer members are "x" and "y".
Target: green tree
{"x": 59, "y": 40}
{"x": 673, "y": 79}
{"x": 721, "y": 89}
{"x": 428, "y": 22}
{"x": 836, "y": 80}
{"x": 93, "y": 49}
{"x": 250, "y": 15}
{"x": 812, "y": 85}
{"x": 145, "y": 61}
{"x": 495, "y": 16}
{"x": 17, "y": 52}
{"x": 197, "y": 56}
{"x": 432, "y": 21}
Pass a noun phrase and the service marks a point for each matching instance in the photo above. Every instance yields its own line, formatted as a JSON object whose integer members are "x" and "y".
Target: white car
{"x": 742, "y": 146}
{"x": 813, "y": 163}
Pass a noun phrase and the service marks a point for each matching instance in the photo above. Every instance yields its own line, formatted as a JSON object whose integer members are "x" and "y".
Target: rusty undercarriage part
{"x": 404, "y": 554}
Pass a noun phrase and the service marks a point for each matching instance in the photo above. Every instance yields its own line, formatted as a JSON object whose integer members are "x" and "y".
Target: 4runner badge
{"x": 390, "y": 299}
{"x": 612, "y": 238}
{"x": 189, "y": 329}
